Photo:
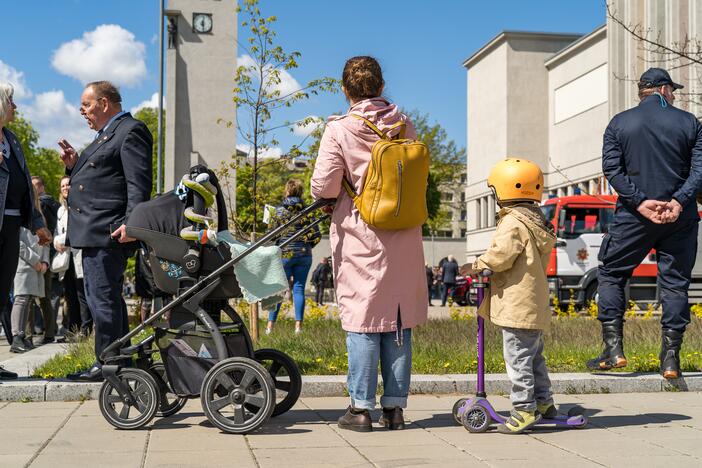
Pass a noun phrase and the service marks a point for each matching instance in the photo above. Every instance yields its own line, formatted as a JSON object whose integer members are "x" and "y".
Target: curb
{"x": 335, "y": 385}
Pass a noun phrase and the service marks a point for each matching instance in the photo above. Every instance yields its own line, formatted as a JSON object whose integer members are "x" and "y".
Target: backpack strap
{"x": 383, "y": 135}
{"x": 349, "y": 188}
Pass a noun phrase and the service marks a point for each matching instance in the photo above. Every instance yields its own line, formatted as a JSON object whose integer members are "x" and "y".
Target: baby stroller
{"x": 202, "y": 356}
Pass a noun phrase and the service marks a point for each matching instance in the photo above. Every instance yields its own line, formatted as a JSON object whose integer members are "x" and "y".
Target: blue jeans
{"x": 365, "y": 350}
{"x": 298, "y": 268}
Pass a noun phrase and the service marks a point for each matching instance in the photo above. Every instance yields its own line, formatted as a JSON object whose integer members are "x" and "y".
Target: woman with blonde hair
{"x": 76, "y": 314}
{"x": 297, "y": 255}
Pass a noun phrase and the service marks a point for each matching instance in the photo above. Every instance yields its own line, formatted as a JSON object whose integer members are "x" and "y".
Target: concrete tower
{"x": 200, "y": 68}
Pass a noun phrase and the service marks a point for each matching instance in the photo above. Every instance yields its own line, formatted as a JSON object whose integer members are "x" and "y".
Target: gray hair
{"x": 6, "y": 93}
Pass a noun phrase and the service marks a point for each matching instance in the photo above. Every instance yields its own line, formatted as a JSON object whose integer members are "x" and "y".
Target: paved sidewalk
{"x": 662, "y": 429}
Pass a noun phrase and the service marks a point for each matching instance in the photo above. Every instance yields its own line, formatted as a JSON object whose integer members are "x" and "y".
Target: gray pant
{"x": 526, "y": 367}
{"x": 20, "y": 313}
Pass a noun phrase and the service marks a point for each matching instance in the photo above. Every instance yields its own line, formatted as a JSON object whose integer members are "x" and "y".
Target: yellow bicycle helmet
{"x": 516, "y": 179}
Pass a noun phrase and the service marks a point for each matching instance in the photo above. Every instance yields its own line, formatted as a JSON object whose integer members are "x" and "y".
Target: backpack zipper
{"x": 399, "y": 188}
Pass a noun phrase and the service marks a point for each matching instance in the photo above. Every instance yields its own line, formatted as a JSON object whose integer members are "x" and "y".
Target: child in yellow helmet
{"x": 519, "y": 297}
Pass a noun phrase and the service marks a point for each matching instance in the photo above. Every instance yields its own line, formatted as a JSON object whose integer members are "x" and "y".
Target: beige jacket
{"x": 518, "y": 256}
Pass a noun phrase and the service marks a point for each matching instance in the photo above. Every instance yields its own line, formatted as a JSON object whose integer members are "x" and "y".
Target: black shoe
{"x": 18, "y": 345}
{"x": 356, "y": 420}
{"x": 6, "y": 374}
{"x": 392, "y": 418}
{"x": 670, "y": 354}
{"x": 613, "y": 353}
{"x": 47, "y": 340}
{"x": 94, "y": 374}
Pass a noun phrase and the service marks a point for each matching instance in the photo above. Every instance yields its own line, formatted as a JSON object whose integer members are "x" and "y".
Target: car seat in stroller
{"x": 201, "y": 355}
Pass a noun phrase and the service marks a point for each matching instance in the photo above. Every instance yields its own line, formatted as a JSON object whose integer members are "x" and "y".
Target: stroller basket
{"x": 189, "y": 355}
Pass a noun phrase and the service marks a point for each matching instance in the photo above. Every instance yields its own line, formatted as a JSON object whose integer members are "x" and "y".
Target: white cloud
{"x": 109, "y": 52}
{"x": 269, "y": 153}
{"x": 54, "y": 118}
{"x": 300, "y": 129}
{"x": 16, "y": 79}
{"x": 287, "y": 84}
{"x": 151, "y": 102}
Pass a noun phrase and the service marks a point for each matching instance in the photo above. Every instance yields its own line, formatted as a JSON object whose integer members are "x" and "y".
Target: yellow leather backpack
{"x": 394, "y": 194}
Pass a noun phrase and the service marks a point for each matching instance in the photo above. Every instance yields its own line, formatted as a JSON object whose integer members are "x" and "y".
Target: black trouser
{"x": 629, "y": 240}
{"x": 319, "y": 293}
{"x": 77, "y": 316}
{"x": 446, "y": 290}
{"x": 103, "y": 276}
{"x": 49, "y": 303}
{"x": 9, "y": 258}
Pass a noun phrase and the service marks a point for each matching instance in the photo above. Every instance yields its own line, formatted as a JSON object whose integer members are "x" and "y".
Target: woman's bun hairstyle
{"x": 362, "y": 78}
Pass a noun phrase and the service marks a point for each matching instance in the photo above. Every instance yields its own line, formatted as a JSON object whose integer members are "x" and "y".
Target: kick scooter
{"x": 476, "y": 414}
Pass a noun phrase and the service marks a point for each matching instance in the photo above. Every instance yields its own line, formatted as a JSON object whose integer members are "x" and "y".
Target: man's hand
{"x": 69, "y": 155}
{"x": 44, "y": 236}
{"x": 672, "y": 211}
{"x": 652, "y": 210}
{"x": 120, "y": 235}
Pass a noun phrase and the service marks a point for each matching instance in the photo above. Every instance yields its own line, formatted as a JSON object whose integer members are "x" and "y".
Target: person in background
{"x": 430, "y": 280}
{"x": 321, "y": 277}
{"x": 297, "y": 256}
{"x": 52, "y": 286}
{"x": 28, "y": 285}
{"x": 76, "y": 315}
{"x": 380, "y": 288}
{"x": 16, "y": 204}
{"x": 449, "y": 271}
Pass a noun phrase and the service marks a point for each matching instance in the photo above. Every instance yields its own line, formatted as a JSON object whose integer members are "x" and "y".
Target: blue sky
{"x": 420, "y": 44}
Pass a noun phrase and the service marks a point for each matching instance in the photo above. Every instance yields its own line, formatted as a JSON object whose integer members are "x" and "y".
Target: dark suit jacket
{"x": 31, "y": 219}
{"x": 112, "y": 176}
{"x": 654, "y": 152}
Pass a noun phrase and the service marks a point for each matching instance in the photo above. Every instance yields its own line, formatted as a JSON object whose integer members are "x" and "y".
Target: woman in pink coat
{"x": 379, "y": 275}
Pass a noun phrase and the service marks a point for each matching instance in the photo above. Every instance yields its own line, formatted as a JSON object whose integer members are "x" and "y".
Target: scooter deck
{"x": 566, "y": 421}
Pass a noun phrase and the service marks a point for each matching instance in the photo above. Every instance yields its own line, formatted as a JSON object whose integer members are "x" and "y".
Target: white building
{"x": 548, "y": 97}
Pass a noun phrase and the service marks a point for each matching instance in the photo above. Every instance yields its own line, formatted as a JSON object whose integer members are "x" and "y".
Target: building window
{"x": 463, "y": 197}
{"x": 463, "y": 233}
{"x": 447, "y": 196}
{"x": 464, "y": 178}
{"x": 478, "y": 218}
{"x": 464, "y": 215}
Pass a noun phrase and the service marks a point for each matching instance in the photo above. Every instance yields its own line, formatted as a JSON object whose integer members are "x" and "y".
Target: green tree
{"x": 42, "y": 162}
{"x": 149, "y": 115}
{"x": 257, "y": 94}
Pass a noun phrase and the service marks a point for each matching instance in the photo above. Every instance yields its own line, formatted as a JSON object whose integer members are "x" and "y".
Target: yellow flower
{"x": 446, "y": 364}
{"x": 319, "y": 359}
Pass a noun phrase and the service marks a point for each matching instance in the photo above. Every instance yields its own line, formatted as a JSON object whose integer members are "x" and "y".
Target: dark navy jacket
{"x": 652, "y": 152}
{"x": 111, "y": 177}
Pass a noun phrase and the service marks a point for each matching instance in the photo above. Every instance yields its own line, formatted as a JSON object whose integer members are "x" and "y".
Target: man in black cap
{"x": 652, "y": 157}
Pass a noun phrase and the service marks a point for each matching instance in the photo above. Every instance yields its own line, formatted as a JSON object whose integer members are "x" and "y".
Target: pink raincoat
{"x": 379, "y": 275}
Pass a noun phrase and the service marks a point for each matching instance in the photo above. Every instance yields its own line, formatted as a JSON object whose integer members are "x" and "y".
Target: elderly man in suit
{"x": 109, "y": 178}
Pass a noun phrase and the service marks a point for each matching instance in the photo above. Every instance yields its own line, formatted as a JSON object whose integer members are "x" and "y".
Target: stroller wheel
{"x": 456, "y": 406}
{"x": 238, "y": 395}
{"x": 286, "y": 377}
{"x": 169, "y": 402}
{"x": 137, "y": 407}
{"x": 476, "y": 419}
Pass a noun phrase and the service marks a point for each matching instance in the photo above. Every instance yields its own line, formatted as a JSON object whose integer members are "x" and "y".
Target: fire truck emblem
{"x": 582, "y": 255}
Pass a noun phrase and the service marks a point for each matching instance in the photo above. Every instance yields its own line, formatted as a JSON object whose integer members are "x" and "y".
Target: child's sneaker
{"x": 547, "y": 410}
{"x": 519, "y": 421}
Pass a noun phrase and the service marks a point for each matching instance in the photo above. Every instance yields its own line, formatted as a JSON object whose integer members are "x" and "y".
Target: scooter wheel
{"x": 456, "y": 406}
{"x": 476, "y": 419}
{"x": 132, "y": 410}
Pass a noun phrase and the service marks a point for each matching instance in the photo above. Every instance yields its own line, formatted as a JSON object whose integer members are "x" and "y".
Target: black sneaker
{"x": 356, "y": 420}
{"x": 18, "y": 345}
{"x": 6, "y": 374}
{"x": 392, "y": 418}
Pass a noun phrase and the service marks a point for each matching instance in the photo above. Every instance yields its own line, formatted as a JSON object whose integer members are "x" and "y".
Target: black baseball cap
{"x": 654, "y": 77}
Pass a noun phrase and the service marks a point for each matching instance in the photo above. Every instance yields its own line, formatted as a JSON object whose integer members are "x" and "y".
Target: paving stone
{"x": 305, "y": 457}
{"x": 199, "y": 458}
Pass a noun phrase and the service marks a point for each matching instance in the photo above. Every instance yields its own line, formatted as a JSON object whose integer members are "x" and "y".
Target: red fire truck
{"x": 580, "y": 222}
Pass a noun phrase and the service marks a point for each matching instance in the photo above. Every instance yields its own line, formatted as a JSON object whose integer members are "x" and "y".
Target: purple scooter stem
{"x": 480, "y": 400}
